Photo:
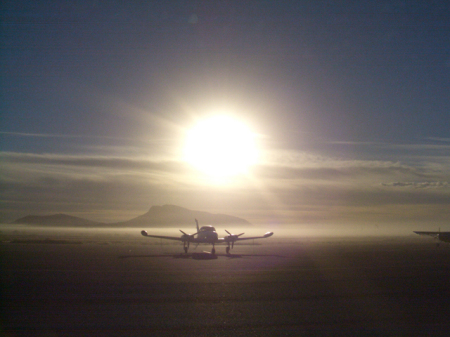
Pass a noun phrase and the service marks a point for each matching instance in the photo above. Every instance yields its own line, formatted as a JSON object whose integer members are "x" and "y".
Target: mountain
{"x": 174, "y": 216}
{"x": 57, "y": 220}
{"x": 157, "y": 216}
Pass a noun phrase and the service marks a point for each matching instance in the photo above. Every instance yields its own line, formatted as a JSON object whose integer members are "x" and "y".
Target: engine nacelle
{"x": 144, "y": 233}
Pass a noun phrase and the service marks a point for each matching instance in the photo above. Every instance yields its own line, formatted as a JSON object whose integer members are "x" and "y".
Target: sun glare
{"x": 220, "y": 146}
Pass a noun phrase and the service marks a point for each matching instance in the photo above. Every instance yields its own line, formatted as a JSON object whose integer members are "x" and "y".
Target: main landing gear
{"x": 186, "y": 247}
{"x": 228, "y": 250}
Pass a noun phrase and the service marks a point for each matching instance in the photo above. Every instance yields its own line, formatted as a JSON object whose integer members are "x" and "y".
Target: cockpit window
{"x": 207, "y": 229}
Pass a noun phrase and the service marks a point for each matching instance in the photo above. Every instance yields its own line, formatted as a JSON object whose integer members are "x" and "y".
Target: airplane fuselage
{"x": 207, "y": 234}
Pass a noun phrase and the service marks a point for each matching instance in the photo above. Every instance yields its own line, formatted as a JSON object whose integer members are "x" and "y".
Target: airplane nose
{"x": 213, "y": 237}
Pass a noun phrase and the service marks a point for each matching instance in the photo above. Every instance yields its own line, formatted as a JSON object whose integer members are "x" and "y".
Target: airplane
{"x": 207, "y": 234}
{"x": 442, "y": 236}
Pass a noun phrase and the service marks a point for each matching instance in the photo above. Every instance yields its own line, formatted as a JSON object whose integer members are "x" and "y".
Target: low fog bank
{"x": 361, "y": 230}
{"x": 9, "y": 233}
{"x": 40, "y": 234}
{"x": 114, "y": 235}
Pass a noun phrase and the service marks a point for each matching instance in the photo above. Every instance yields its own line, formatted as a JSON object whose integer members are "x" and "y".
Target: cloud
{"x": 335, "y": 170}
{"x": 54, "y": 135}
{"x": 425, "y": 184}
{"x": 122, "y": 164}
{"x": 440, "y": 139}
{"x": 69, "y": 182}
{"x": 296, "y": 187}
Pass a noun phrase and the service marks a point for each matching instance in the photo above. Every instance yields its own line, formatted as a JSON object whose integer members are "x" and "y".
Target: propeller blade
{"x": 192, "y": 235}
{"x": 234, "y": 235}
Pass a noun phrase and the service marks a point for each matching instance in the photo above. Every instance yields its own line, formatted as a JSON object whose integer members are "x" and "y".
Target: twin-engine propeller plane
{"x": 207, "y": 234}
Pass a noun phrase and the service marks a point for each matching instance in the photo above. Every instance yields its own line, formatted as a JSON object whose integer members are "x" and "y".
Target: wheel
{"x": 185, "y": 250}
{"x": 228, "y": 250}
{"x": 213, "y": 251}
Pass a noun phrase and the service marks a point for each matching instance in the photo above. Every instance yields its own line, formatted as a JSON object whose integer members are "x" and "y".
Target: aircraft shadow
{"x": 238, "y": 256}
{"x": 177, "y": 256}
{"x": 200, "y": 256}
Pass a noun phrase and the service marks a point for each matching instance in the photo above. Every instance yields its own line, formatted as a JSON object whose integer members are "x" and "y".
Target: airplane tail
{"x": 196, "y": 221}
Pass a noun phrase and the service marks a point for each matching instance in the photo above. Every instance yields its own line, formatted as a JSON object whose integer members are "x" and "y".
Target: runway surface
{"x": 282, "y": 287}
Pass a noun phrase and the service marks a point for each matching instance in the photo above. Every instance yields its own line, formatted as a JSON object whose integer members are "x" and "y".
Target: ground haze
{"x": 115, "y": 283}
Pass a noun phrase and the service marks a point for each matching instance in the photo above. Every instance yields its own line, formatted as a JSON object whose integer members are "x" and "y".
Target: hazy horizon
{"x": 312, "y": 228}
{"x": 280, "y": 231}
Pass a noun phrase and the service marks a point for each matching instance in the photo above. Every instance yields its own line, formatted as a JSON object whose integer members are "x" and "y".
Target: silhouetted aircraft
{"x": 207, "y": 234}
{"x": 443, "y": 236}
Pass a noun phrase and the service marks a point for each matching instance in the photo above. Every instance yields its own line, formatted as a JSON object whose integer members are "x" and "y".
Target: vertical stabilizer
{"x": 196, "y": 221}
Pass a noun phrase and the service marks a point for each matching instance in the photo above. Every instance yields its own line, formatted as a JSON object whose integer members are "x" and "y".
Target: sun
{"x": 220, "y": 146}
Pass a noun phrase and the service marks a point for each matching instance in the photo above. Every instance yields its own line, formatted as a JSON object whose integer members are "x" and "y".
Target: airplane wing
{"x": 435, "y": 234}
{"x": 177, "y": 238}
{"x": 268, "y": 234}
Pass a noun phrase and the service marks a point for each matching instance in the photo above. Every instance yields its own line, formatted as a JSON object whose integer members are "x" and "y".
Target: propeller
{"x": 232, "y": 237}
{"x": 187, "y": 239}
{"x": 188, "y": 235}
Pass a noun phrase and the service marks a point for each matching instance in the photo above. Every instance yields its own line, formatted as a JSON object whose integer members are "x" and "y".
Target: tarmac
{"x": 371, "y": 286}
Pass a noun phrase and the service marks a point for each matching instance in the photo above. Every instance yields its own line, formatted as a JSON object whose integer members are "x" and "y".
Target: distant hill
{"x": 57, "y": 220}
{"x": 174, "y": 216}
{"x": 157, "y": 216}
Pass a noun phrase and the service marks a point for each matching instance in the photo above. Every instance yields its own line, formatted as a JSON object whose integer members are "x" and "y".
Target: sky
{"x": 349, "y": 102}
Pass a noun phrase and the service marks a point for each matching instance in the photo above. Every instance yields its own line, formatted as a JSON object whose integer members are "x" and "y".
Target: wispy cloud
{"x": 54, "y": 135}
{"x": 297, "y": 187}
{"x": 420, "y": 184}
{"x": 446, "y": 140}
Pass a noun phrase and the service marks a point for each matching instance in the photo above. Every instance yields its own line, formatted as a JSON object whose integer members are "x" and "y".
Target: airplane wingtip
{"x": 268, "y": 234}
